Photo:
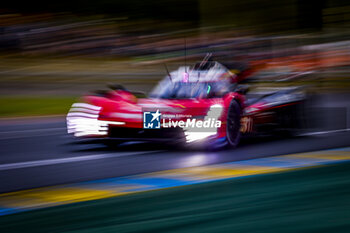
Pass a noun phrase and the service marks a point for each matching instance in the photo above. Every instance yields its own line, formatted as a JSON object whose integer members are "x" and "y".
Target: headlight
{"x": 213, "y": 114}
{"x": 82, "y": 120}
{"x": 214, "y": 111}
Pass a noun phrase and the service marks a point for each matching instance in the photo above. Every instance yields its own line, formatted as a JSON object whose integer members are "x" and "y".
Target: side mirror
{"x": 139, "y": 94}
{"x": 116, "y": 87}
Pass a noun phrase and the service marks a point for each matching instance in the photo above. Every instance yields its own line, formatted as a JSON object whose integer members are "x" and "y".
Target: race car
{"x": 204, "y": 104}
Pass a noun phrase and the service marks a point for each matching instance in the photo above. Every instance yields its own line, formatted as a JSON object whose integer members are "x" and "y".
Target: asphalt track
{"x": 41, "y": 154}
{"x": 38, "y": 152}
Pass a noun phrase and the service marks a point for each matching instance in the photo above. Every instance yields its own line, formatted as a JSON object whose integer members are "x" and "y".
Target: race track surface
{"x": 36, "y": 153}
{"x": 307, "y": 200}
{"x": 42, "y": 154}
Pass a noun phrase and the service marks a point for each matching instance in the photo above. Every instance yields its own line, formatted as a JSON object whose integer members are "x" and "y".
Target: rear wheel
{"x": 233, "y": 124}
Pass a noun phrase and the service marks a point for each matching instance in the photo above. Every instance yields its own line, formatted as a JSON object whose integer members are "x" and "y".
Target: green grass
{"x": 311, "y": 200}
{"x": 34, "y": 106}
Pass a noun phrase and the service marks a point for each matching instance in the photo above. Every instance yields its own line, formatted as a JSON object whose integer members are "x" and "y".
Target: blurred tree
{"x": 273, "y": 15}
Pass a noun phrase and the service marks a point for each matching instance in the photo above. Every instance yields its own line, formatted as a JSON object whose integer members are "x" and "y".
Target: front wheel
{"x": 233, "y": 124}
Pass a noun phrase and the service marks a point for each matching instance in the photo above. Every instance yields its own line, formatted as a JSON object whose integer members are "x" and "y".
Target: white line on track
{"x": 46, "y": 162}
{"x": 31, "y": 133}
{"x": 325, "y": 132}
{"x": 32, "y": 130}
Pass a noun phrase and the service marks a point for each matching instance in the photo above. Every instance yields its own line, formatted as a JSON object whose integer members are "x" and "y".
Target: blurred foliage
{"x": 67, "y": 42}
{"x": 137, "y": 28}
{"x": 34, "y": 106}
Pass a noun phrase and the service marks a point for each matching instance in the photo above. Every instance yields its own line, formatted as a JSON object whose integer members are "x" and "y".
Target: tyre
{"x": 233, "y": 124}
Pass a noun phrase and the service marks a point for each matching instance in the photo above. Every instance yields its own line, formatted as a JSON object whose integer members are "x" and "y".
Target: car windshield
{"x": 180, "y": 90}
{"x": 198, "y": 82}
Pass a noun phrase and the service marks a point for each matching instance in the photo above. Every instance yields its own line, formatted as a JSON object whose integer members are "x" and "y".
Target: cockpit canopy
{"x": 203, "y": 80}
{"x": 201, "y": 72}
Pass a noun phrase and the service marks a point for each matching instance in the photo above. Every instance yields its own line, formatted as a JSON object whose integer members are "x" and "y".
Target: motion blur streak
{"x": 92, "y": 190}
{"x": 45, "y": 162}
{"x": 82, "y": 121}
{"x": 284, "y": 88}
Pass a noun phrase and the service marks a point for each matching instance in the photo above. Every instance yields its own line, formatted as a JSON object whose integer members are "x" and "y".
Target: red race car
{"x": 204, "y": 105}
